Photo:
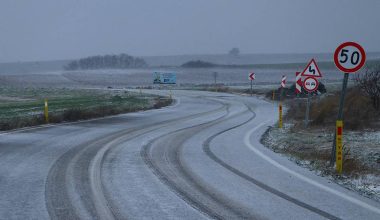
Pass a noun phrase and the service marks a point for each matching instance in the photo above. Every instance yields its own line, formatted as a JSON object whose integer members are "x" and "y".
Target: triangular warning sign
{"x": 312, "y": 70}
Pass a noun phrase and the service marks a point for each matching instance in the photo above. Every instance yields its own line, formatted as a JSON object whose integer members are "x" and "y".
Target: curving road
{"x": 198, "y": 159}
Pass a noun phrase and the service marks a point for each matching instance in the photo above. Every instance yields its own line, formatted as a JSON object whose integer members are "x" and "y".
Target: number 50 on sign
{"x": 349, "y": 57}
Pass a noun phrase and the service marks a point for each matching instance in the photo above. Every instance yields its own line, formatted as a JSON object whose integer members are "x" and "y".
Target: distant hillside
{"x": 300, "y": 66}
{"x": 122, "y": 61}
{"x": 198, "y": 64}
{"x": 244, "y": 59}
{"x": 264, "y": 61}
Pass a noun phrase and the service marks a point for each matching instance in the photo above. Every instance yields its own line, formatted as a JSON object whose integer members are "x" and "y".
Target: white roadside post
{"x": 298, "y": 84}
{"x": 283, "y": 84}
{"x": 349, "y": 57}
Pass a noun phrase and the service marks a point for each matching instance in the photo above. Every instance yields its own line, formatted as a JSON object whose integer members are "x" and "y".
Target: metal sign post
{"x": 340, "y": 115}
{"x": 251, "y": 87}
{"x": 280, "y": 115}
{"x": 310, "y": 84}
{"x": 307, "y": 110}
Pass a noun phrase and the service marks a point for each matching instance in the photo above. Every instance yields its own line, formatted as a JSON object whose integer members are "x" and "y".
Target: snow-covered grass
{"x": 25, "y": 107}
{"x": 311, "y": 149}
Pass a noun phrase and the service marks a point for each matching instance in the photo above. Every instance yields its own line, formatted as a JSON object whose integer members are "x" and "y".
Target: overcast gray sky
{"x": 61, "y": 29}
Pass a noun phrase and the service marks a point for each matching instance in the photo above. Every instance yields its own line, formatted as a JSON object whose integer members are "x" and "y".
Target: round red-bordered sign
{"x": 349, "y": 57}
{"x": 310, "y": 84}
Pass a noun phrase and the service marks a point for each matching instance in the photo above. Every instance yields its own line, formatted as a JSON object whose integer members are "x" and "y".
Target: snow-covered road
{"x": 200, "y": 158}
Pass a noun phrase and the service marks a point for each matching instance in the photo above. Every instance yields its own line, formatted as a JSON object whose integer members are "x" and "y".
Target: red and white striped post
{"x": 283, "y": 84}
{"x": 298, "y": 83}
{"x": 283, "y": 81}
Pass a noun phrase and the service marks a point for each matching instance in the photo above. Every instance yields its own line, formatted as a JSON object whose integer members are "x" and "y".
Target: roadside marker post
{"x": 339, "y": 146}
{"x": 349, "y": 57}
{"x": 283, "y": 84}
{"x": 46, "y": 111}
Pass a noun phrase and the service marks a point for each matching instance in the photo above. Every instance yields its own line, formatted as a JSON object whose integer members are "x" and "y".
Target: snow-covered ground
{"x": 144, "y": 77}
{"x": 310, "y": 149}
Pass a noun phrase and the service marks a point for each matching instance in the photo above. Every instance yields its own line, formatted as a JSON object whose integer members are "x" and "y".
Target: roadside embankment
{"x": 311, "y": 147}
{"x": 25, "y": 107}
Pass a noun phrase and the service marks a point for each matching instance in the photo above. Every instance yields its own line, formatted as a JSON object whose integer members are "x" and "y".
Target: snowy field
{"x": 144, "y": 77}
{"x": 273, "y": 67}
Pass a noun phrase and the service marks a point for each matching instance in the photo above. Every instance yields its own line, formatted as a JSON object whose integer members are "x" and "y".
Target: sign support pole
{"x": 307, "y": 110}
{"x": 340, "y": 115}
{"x": 251, "y": 87}
{"x": 280, "y": 115}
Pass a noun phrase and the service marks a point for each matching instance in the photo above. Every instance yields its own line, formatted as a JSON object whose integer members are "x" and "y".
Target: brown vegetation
{"x": 358, "y": 111}
{"x": 369, "y": 83}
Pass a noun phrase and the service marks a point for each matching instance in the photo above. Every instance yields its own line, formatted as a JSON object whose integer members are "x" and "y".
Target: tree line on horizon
{"x": 121, "y": 61}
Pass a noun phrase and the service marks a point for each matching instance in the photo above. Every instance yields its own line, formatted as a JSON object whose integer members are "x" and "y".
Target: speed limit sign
{"x": 349, "y": 57}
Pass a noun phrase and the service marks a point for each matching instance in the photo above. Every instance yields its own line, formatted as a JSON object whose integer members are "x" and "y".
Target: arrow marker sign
{"x": 283, "y": 81}
{"x": 312, "y": 70}
{"x": 298, "y": 83}
{"x": 251, "y": 76}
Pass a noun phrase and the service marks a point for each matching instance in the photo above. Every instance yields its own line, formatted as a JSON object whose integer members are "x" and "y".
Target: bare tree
{"x": 234, "y": 51}
{"x": 369, "y": 83}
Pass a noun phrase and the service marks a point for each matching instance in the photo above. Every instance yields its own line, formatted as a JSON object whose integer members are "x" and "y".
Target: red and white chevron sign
{"x": 251, "y": 76}
{"x": 283, "y": 81}
{"x": 298, "y": 83}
